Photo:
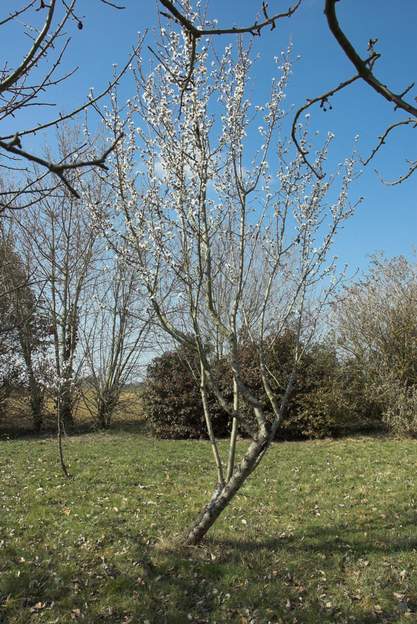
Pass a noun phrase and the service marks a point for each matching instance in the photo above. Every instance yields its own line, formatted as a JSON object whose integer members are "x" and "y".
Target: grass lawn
{"x": 323, "y": 532}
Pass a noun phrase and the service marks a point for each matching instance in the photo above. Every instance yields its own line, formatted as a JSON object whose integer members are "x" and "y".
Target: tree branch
{"x": 253, "y": 29}
{"x": 362, "y": 66}
{"x": 19, "y": 71}
{"x": 323, "y": 99}
{"x": 381, "y": 139}
{"x": 59, "y": 169}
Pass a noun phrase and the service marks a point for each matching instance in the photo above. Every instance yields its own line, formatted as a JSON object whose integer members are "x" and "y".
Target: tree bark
{"x": 222, "y": 497}
{"x": 36, "y": 405}
{"x": 66, "y": 409}
{"x": 106, "y": 405}
{"x": 104, "y": 414}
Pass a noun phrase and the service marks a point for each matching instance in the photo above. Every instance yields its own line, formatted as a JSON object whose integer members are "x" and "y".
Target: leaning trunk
{"x": 223, "y": 495}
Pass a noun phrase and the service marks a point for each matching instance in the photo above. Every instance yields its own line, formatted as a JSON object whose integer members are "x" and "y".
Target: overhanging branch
{"x": 59, "y": 169}
{"x": 362, "y": 66}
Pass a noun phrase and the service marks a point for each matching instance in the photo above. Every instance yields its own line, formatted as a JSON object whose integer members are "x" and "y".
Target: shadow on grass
{"x": 372, "y": 537}
{"x": 305, "y": 578}
{"x": 323, "y": 560}
{"x": 49, "y": 431}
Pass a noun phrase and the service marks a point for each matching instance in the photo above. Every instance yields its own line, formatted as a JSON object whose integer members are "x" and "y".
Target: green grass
{"x": 323, "y": 532}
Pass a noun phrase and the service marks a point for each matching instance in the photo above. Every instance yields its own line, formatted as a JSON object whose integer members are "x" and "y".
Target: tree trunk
{"x": 222, "y": 497}
{"x": 66, "y": 409}
{"x": 103, "y": 416}
{"x": 105, "y": 409}
{"x": 36, "y": 404}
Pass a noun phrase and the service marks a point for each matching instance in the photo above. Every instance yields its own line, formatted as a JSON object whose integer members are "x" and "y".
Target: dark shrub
{"x": 171, "y": 398}
{"x": 328, "y": 396}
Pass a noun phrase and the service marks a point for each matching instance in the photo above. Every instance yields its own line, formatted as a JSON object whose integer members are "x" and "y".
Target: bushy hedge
{"x": 326, "y": 398}
{"x": 172, "y": 400}
{"x": 370, "y": 382}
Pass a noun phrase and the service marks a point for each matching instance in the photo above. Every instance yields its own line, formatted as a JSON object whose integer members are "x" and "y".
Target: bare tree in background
{"x": 376, "y": 324}
{"x": 114, "y": 337}
{"x": 25, "y": 83}
{"x": 229, "y": 232}
{"x": 58, "y": 237}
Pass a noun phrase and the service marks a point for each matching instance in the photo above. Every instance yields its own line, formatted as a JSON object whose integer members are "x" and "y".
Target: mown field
{"x": 324, "y": 531}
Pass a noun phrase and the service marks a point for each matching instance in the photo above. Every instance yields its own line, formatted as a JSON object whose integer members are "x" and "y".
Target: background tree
{"x": 377, "y": 329}
{"x": 115, "y": 336}
{"x": 61, "y": 242}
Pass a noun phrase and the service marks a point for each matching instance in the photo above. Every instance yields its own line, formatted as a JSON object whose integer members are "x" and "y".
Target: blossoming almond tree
{"x": 363, "y": 60}
{"x": 229, "y": 232}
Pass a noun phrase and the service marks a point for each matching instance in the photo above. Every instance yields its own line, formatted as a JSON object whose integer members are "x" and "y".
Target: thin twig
{"x": 381, "y": 139}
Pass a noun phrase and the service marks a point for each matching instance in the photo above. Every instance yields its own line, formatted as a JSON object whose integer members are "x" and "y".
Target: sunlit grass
{"x": 323, "y": 532}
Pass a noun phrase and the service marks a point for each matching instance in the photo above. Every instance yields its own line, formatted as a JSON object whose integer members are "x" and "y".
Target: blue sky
{"x": 387, "y": 219}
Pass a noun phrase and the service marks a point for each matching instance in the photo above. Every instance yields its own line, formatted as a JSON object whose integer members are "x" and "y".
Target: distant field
{"x": 323, "y": 532}
{"x": 17, "y": 418}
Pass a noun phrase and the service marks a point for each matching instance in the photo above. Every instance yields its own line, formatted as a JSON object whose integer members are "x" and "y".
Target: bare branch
{"x": 362, "y": 66}
{"x": 412, "y": 168}
{"x": 59, "y": 169}
{"x": 17, "y": 13}
{"x": 91, "y": 101}
{"x": 381, "y": 139}
{"x": 113, "y": 4}
{"x": 24, "y": 66}
{"x": 253, "y": 29}
{"x": 323, "y": 99}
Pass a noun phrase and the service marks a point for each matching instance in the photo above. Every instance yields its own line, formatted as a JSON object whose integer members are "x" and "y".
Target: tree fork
{"x": 222, "y": 498}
